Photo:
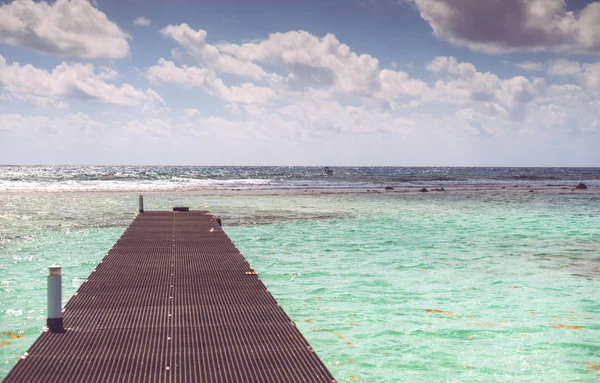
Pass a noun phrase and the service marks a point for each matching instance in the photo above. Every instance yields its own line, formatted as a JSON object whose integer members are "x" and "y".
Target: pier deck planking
{"x": 172, "y": 301}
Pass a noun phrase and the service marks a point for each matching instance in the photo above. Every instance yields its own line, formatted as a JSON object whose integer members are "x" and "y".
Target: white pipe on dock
{"x": 55, "y": 320}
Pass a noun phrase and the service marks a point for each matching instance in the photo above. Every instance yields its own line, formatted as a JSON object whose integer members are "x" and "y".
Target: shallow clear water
{"x": 386, "y": 288}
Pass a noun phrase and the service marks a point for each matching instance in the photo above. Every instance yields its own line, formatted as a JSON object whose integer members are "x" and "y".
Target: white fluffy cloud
{"x": 494, "y": 106}
{"x": 307, "y": 119}
{"x": 66, "y": 28}
{"x": 394, "y": 83}
{"x": 497, "y": 26}
{"x": 69, "y": 81}
{"x": 587, "y": 74}
{"x": 308, "y": 64}
{"x": 462, "y": 84}
{"x": 142, "y": 21}
{"x": 450, "y": 65}
{"x": 298, "y": 88}
{"x": 168, "y": 71}
{"x": 211, "y": 62}
{"x": 74, "y": 123}
{"x": 206, "y": 79}
{"x": 153, "y": 128}
{"x": 313, "y": 62}
{"x": 191, "y": 113}
{"x": 331, "y": 117}
{"x": 301, "y": 66}
{"x": 209, "y": 56}
{"x": 323, "y": 87}
{"x": 530, "y": 66}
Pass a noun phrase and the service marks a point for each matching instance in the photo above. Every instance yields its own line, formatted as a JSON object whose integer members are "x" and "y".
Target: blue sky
{"x": 377, "y": 82}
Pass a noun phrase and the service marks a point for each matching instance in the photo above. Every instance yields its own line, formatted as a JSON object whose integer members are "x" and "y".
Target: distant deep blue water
{"x": 122, "y": 178}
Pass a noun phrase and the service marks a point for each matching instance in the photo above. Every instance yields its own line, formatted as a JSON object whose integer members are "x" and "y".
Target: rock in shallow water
{"x": 581, "y": 186}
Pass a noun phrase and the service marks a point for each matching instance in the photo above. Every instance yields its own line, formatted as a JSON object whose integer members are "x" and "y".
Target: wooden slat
{"x": 173, "y": 301}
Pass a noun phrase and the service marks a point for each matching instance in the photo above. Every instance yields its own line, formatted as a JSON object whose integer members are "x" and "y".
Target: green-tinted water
{"x": 386, "y": 288}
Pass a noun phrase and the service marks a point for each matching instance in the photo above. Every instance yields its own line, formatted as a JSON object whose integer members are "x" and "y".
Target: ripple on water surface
{"x": 385, "y": 288}
{"x": 429, "y": 290}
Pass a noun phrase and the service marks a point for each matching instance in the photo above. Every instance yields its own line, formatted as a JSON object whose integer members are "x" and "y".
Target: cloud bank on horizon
{"x": 94, "y": 87}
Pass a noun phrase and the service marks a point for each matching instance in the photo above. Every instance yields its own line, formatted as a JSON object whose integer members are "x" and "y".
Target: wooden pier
{"x": 172, "y": 301}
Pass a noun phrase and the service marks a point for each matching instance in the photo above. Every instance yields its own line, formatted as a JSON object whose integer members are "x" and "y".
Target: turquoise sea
{"x": 486, "y": 282}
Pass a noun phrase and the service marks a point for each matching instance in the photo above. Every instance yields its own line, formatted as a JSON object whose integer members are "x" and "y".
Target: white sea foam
{"x": 173, "y": 184}
{"x": 177, "y": 184}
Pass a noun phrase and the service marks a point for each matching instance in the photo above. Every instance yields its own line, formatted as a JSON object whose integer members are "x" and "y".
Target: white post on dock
{"x": 141, "y": 203}
{"x": 55, "y": 320}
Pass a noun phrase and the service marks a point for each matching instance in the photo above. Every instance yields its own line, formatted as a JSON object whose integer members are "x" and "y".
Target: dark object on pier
{"x": 581, "y": 186}
{"x": 172, "y": 301}
{"x": 424, "y": 190}
{"x": 55, "y": 325}
{"x": 389, "y": 188}
{"x": 181, "y": 208}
